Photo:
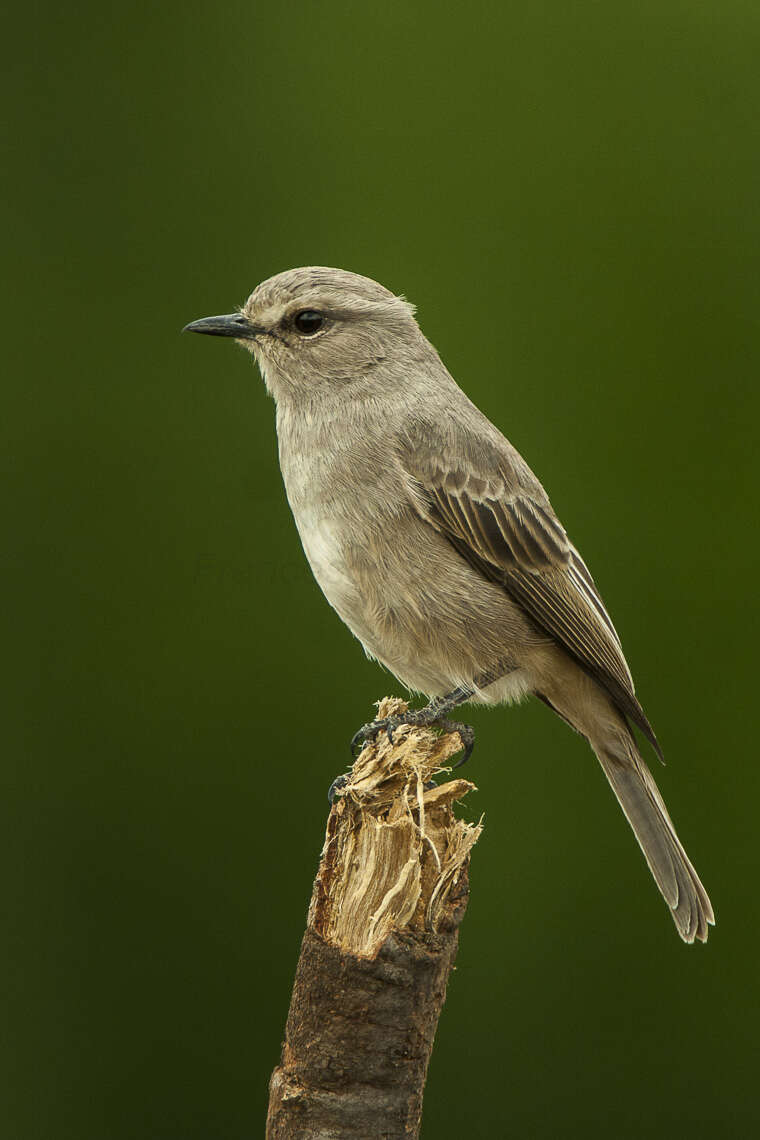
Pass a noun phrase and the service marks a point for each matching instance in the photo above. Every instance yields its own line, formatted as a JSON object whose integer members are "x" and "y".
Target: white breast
{"x": 321, "y": 542}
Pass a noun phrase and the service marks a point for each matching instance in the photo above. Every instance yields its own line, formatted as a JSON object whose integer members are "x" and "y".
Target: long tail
{"x": 643, "y": 805}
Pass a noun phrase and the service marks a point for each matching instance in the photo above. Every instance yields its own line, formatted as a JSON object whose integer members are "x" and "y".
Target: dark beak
{"x": 231, "y": 324}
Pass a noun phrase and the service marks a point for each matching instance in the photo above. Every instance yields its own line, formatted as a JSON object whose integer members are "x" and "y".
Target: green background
{"x": 569, "y": 194}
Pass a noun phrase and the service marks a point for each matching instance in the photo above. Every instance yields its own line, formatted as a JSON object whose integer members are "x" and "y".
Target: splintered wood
{"x": 393, "y": 850}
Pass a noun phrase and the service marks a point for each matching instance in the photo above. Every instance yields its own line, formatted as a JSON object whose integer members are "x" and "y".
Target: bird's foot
{"x": 431, "y": 714}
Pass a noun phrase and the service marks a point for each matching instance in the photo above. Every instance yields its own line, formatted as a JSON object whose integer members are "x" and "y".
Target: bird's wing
{"x": 496, "y": 514}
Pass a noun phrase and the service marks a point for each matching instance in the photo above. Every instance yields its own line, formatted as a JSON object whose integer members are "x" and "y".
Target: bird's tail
{"x": 643, "y": 805}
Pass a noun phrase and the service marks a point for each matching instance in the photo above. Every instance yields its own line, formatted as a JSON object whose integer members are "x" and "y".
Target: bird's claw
{"x": 338, "y": 783}
{"x": 371, "y": 731}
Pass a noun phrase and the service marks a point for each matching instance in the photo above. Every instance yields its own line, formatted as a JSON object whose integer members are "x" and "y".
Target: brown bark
{"x": 380, "y": 943}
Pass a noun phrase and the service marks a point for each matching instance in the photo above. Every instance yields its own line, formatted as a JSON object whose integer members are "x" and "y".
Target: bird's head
{"x": 318, "y": 328}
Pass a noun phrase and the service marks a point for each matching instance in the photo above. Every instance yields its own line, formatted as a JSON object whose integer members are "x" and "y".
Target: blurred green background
{"x": 569, "y": 193}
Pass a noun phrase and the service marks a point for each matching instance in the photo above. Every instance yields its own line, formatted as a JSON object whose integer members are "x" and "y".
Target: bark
{"x": 380, "y": 943}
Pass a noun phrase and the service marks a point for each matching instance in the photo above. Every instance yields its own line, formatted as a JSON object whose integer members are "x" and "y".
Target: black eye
{"x": 308, "y": 321}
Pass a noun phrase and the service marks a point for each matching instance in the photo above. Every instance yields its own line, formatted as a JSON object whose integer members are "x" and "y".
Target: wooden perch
{"x": 380, "y": 942}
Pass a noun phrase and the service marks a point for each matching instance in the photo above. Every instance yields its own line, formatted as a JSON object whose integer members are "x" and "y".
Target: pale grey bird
{"x": 434, "y": 541}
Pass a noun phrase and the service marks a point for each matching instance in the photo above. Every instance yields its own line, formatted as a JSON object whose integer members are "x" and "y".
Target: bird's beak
{"x": 231, "y": 324}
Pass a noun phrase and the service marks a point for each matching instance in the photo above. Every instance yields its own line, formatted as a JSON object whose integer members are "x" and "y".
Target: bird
{"x": 435, "y": 543}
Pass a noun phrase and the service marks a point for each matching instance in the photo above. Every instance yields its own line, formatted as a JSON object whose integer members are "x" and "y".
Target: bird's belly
{"x": 323, "y": 547}
{"x": 380, "y": 612}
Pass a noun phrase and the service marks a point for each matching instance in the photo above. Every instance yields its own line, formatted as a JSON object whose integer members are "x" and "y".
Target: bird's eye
{"x": 308, "y": 321}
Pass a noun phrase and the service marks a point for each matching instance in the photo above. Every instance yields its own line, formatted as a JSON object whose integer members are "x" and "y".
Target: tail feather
{"x": 645, "y": 810}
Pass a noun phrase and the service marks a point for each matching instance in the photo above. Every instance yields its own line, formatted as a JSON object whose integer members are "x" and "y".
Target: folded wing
{"x": 502, "y": 522}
